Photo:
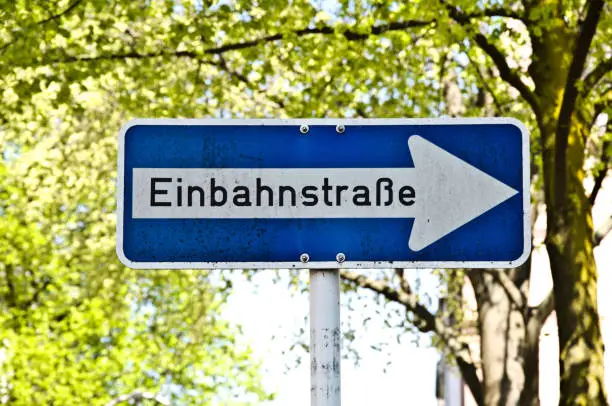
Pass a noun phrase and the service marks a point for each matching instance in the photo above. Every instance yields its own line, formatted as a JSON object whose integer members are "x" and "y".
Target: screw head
{"x": 304, "y": 258}
{"x": 340, "y": 257}
{"x": 304, "y": 129}
{"x": 340, "y": 128}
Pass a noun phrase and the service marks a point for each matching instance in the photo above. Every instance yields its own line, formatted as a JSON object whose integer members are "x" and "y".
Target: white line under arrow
{"x": 441, "y": 192}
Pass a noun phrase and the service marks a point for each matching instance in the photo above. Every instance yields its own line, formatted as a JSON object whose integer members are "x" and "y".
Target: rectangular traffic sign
{"x": 321, "y": 193}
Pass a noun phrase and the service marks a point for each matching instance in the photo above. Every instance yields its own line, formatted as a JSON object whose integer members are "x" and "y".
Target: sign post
{"x": 325, "y": 337}
{"x": 323, "y": 194}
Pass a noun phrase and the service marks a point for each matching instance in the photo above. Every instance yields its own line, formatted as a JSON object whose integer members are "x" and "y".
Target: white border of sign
{"x": 327, "y": 264}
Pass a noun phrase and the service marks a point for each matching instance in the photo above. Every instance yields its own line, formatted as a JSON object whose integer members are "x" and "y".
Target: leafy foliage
{"x": 71, "y": 71}
{"x": 76, "y": 326}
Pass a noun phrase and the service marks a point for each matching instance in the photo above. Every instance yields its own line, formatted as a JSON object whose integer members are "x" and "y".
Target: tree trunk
{"x": 575, "y": 286}
{"x": 569, "y": 237}
{"x": 502, "y": 343}
{"x": 510, "y": 360}
{"x": 569, "y": 242}
{"x": 531, "y": 367}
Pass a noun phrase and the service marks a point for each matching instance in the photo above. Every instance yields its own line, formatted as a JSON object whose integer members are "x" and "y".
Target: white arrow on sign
{"x": 441, "y": 192}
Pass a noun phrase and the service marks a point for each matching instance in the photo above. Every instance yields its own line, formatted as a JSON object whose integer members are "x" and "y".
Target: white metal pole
{"x": 325, "y": 337}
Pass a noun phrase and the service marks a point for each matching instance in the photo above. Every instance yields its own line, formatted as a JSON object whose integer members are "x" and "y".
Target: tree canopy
{"x": 73, "y": 70}
{"x": 76, "y": 327}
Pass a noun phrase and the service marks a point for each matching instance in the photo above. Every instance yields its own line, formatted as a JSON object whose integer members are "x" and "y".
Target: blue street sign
{"x": 321, "y": 193}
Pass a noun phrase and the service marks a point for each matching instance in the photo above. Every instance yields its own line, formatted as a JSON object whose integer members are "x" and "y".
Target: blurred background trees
{"x": 72, "y": 71}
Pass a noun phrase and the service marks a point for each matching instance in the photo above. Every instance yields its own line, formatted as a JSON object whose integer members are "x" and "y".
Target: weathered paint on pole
{"x": 325, "y": 337}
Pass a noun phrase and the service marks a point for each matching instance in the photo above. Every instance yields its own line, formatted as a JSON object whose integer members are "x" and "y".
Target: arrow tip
{"x": 451, "y": 193}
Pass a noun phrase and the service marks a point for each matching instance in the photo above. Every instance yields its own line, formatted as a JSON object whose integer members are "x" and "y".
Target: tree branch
{"x": 595, "y": 75}
{"x": 602, "y": 173}
{"x": 223, "y": 65}
{"x": 425, "y": 322}
{"x": 348, "y": 34}
{"x": 326, "y": 30}
{"x": 603, "y": 231}
{"x": 12, "y": 294}
{"x": 138, "y": 396}
{"x": 513, "y": 292}
{"x": 496, "y": 12}
{"x": 544, "y": 309}
{"x": 581, "y": 51}
{"x": 508, "y": 74}
{"x": 511, "y": 76}
{"x": 604, "y": 158}
{"x": 61, "y": 13}
{"x": 487, "y": 86}
{"x": 403, "y": 281}
{"x": 39, "y": 289}
{"x": 127, "y": 55}
{"x": 501, "y": 12}
{"x": 599, "y": 108}
{"x": 53, "y": 17}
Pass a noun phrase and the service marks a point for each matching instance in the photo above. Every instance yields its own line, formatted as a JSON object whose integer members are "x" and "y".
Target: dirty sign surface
{"x": 323, "y": 193}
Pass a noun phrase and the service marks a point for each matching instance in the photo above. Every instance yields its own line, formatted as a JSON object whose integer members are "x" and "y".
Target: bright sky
{"x": 272, "y": 316}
